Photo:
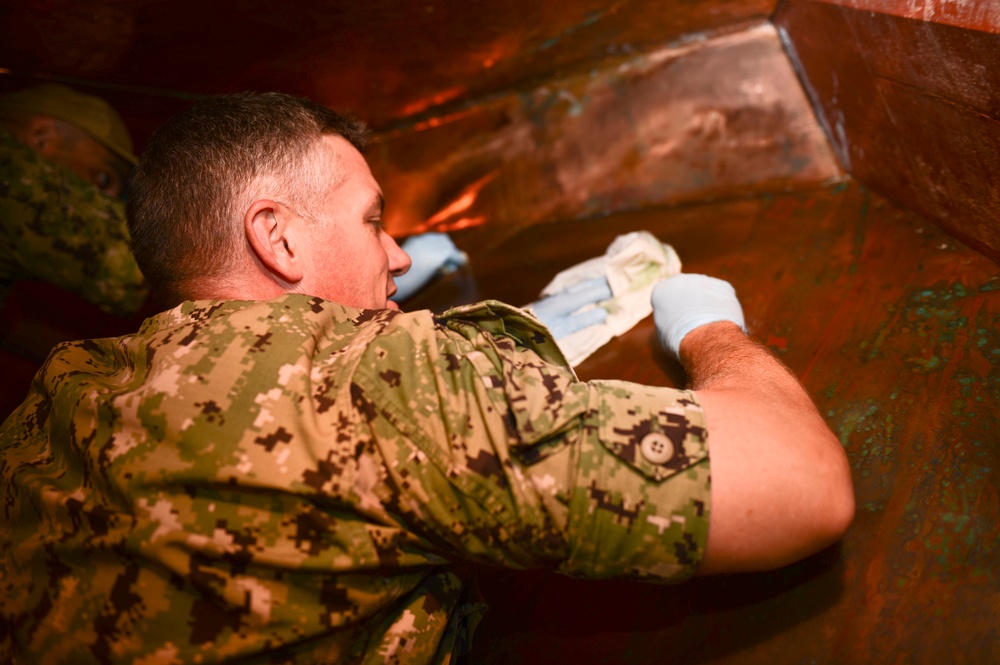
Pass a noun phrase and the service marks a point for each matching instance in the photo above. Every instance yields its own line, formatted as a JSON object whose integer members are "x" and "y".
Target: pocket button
{"x": 656, "y": 448}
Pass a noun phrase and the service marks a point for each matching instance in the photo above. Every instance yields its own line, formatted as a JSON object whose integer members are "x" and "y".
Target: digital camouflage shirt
{"x": 295, "y": 481}
{"x": 57, "y": 227}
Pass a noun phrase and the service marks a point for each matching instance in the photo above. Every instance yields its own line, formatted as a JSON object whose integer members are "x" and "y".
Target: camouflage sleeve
{"x": 56, "y": 227}
{"x": 504, "y": 456}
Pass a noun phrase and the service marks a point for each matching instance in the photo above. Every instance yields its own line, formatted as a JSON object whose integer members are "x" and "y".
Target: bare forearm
{"x": 720, "y": 356}
{"x": 781, "y": 485}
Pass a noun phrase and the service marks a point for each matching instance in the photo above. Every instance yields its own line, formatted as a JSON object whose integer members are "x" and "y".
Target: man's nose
{"x": 399, "y": 260}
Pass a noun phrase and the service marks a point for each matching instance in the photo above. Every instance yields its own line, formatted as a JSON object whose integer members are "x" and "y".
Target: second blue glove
{"x": 560, "y": 311}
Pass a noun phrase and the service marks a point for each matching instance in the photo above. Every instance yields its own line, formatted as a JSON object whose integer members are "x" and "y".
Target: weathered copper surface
{"x": 912, "y": 107}
{"x": 713, "y": 118}
{"x": 972, "y": 14}
{"x": 385, "y": 59}
{"x": 894, "y": 328}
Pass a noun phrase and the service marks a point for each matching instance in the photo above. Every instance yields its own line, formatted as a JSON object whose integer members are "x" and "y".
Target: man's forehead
{"x": 341, "y": 163}
{"x": 331, "y": 153}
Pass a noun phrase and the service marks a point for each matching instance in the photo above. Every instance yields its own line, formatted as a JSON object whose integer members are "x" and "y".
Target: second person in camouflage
{"x": 64, "y": 160}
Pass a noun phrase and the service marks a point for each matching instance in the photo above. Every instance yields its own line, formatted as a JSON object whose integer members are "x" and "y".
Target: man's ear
{"x": 42, "y": 135}
{"x": 270, "y": 228}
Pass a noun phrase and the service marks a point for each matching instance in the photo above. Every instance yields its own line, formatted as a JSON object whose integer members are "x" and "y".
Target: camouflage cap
{"x": 91, "y": 114}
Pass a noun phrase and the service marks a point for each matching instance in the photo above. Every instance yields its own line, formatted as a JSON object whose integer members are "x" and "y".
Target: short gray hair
{"x": 188, "y": 195}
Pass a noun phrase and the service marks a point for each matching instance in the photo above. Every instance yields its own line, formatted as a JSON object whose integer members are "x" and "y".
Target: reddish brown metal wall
{"x": 981, "y": 15}
{"x": 713, "y": 118}
{"x": 907, "y": 88}
{"x": 386, "y": 60}
{"x": 912, "y": 105}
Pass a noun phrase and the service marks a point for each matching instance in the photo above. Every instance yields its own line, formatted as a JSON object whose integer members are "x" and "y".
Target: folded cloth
{"x": 632, "y": 264}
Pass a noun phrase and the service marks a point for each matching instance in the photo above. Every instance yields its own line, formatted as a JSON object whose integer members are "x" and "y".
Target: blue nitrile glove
{"x": 559, "y": 312}
{"x": 430, "y": 253}
{"x": 684, "y": 302}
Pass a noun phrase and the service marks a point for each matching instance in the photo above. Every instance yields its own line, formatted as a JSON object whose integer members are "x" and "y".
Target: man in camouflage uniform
{"x": 286, "y": 468}
{"x": 64, "y": 159}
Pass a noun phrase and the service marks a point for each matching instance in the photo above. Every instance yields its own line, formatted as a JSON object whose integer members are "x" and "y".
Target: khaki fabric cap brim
{"x": 91, "y": 114}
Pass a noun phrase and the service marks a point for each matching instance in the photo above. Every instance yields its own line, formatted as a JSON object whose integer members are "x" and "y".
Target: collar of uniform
{"x": 193, "y": 311}
{"x": 499, "y": 318}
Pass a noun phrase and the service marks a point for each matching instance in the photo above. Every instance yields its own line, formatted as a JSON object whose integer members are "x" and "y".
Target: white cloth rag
{"x": 633, "y": 264}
